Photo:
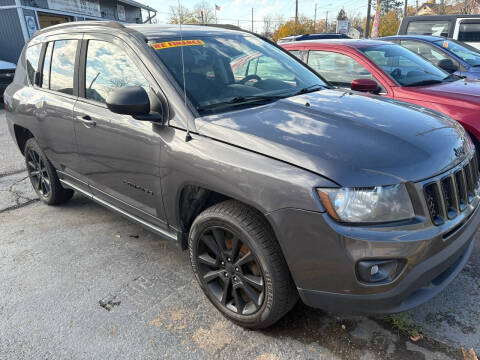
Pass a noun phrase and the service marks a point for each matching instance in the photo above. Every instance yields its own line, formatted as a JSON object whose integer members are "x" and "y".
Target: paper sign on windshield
{"x": 170, "y": 44}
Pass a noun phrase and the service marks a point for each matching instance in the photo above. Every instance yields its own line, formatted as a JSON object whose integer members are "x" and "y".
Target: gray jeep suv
{"x": 278, "y": 185}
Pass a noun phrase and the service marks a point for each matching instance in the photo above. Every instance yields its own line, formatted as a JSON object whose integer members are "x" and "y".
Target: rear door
{"x": 119, "y": 156}
{"x": 55, "y": 98}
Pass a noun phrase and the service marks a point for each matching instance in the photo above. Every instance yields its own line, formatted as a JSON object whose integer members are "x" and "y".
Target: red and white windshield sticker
{"x": 170, "y": 44}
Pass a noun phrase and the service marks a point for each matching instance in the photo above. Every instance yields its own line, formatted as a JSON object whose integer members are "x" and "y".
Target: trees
{"x": 388, "y": 5}
{"x": 389, "y": 24}
{"x": 304, "y": 26}
{"x": 204, "y": 13}
{"x": 342, "y": 15}
{"x": 181, "y": 15}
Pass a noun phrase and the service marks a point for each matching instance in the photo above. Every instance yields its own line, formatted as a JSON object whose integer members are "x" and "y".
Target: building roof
{"x": 137, "y": 4}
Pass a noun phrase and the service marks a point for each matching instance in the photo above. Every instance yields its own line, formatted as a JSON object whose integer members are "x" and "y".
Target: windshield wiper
{"x": 425, "y": 82}
{"x": 308, "y": 89}
{"x": 239, "y": 100}
{"x": 453, "y": 77}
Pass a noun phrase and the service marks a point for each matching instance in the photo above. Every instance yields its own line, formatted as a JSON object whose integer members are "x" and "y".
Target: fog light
{"x": 379, "y": 271}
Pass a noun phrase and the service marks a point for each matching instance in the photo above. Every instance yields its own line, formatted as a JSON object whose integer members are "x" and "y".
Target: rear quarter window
{"x": 32, "y": 60}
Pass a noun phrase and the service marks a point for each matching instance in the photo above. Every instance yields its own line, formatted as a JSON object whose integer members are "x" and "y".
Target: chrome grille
{"x": 449, "y": 195}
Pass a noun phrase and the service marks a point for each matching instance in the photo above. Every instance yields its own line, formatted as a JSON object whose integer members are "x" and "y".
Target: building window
{"x": 63, "y": 66}
{"x": 33, "y": 57}
{"x": 108, "y": 67}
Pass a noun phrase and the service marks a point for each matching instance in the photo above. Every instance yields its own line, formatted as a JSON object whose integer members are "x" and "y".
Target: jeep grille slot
{"x": 433, "y": 199}
{"x": 448, "y": 196}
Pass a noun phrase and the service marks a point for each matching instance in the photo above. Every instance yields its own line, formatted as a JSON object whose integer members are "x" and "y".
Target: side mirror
{"x": 447, "y": 65}
{"x": 364, "y": 85}
{"x": 130, "y": 100}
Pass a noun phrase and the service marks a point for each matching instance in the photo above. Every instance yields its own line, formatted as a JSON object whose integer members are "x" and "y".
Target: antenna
{"x": 180, "y": 19}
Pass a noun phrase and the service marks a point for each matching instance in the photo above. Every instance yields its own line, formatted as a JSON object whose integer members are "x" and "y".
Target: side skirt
{"x": 170, "y": 235}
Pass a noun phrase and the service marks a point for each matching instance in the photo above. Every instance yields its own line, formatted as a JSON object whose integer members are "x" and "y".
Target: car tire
{"x": 240, "y": 266}
{"x": 43, "y": 175}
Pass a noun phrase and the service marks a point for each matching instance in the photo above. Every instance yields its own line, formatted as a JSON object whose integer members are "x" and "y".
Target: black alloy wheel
{"x": 37, "y": 171}
{"x": 230, "y": 271}
{"x": 43, "y": 176}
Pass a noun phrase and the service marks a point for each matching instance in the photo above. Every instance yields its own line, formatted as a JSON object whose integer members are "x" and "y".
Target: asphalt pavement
{"x": 80, "y": 282}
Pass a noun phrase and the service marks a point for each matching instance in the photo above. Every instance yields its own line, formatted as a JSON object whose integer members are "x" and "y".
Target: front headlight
{"x": 360, "y": 205}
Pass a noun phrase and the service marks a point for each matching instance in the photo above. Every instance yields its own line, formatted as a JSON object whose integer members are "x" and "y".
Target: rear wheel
{"x": 43, "y": 176}
{"x": 239, "y": 265}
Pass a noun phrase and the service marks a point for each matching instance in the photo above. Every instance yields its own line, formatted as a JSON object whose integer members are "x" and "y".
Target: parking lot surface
{"x": 79, "y": 282}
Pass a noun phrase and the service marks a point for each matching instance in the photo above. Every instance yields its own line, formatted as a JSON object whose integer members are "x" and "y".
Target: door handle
{"x": 87, "y": 121}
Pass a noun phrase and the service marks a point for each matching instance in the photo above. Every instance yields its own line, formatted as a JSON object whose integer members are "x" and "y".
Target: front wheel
{"x": 239, "y": 265}
{"x": 43, "y": 176}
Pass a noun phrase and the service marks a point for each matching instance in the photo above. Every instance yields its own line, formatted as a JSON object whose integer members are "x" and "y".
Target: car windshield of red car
{"x": 404, "y": 66}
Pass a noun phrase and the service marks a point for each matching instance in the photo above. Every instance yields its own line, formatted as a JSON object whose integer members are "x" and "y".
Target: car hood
{"x": 352, "y": 139}
{"x": 460, "y": 92}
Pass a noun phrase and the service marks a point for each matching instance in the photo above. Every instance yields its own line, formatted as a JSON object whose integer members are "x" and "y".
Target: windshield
{"x": 464, "y": 51}
{"x": 404, "y": 66}
{"x": 233, "y": 70}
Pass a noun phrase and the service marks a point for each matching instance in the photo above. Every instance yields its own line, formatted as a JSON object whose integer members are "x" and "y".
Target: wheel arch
{"x": 22, "y": 134}
{"x": 193, "y": 199}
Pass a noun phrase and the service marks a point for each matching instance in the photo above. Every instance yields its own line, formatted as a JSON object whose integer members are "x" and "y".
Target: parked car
{"x": 312, "y": 37}
{"x": 464, "y": 28}
{"x": 253, "y": 176}
{"x": 7, "y": 71}
{"x": 450, "y": 55}
{"x": 395, "y": 72}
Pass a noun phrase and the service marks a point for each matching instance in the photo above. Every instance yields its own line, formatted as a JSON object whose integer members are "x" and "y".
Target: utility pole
{"x": 252, "y": 19}
{"x": 203, "y": 21}
{"x": 315, "y": 19}
{"x": 296, "y": 11}
{"x": 326, "y": 22}
{"x": 367, "y": 26}
{"x": 416, "y": 9}
{"x": 405, "y": 9}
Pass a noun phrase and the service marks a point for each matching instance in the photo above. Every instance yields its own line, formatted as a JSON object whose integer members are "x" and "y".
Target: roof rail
{"x": 114, "y": 24}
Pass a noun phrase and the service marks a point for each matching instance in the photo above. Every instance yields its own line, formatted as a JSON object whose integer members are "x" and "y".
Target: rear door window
{"x": 46, "y": 66}
{"x": 469, "y": 32}
{"x": 63, "y": 66}
{"x": 33, "y": 57}
{"x": 437, "y": 28}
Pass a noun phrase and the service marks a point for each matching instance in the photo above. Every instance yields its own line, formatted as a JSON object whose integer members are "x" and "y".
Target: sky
{"x": 240, "y": 11}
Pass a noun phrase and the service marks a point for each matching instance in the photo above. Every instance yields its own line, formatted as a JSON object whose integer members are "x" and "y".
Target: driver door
{"x": 119, "y": 156}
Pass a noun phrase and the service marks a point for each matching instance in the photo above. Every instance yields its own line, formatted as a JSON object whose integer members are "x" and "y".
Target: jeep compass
{"x": 277, "y": 184}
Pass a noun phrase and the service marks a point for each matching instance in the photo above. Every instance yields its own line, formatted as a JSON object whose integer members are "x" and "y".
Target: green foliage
{"x": 402, "y": 324}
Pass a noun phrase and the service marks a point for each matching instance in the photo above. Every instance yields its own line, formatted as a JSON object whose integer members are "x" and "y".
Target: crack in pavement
{"x": 20, "y": 197}
{"x": 11, "y": 173}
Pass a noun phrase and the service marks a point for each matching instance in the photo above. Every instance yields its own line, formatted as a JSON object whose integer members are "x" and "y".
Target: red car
{"x": 392, "y": 71}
